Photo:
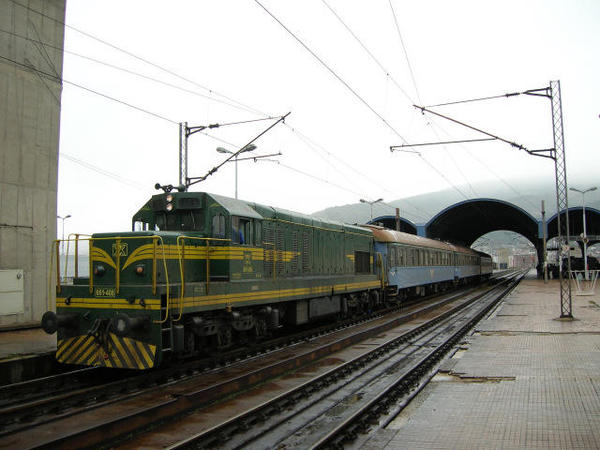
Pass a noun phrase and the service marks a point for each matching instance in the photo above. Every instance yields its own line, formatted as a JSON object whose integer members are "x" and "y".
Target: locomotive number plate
{"x": 104, "y": 292}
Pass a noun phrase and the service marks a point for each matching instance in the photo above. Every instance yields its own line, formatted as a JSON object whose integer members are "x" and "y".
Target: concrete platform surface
{"x": 19, "y": 343}
{"x": 524, "y": 380}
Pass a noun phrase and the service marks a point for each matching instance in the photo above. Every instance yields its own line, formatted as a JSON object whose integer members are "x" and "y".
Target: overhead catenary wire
{"x": 133, "y": 55}
{"x": 387, "y": 72}
{"x": 106, "y": 173}
{"x": 132, "y": 72}
{"x": 403, "y": 91}
{"x": 425, "y": 215}
{"x": 412, "y": 74}
{"x": 89, "y": 35}
{"x": 62, "y": 80}
{"x": 213, "y": 92}
{"x": 333, "y": 72}
{"x": 487, "y": 167}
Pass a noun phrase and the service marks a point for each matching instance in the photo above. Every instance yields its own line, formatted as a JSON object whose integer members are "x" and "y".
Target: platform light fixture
{"x": 248, "y": 148}
{"x": 362, "y": 200}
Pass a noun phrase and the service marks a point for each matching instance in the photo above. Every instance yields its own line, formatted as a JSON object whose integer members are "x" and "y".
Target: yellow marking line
{"x": 215, "y": 299}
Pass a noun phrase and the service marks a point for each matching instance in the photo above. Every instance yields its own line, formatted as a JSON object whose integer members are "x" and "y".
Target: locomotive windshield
{"x": 180, "y": 220}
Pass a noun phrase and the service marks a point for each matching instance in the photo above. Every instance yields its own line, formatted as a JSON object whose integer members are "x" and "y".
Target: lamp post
{"x": 248, "y": 148}
{"x": 362, "y": 200}
{"x": 63, "y": 218}
{"x": 585, "y": 264}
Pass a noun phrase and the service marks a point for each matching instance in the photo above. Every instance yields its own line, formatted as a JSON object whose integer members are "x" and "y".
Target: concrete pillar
{"x": 30, "y": 93}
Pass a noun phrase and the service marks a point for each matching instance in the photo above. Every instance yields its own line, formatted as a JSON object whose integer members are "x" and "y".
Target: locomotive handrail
{"x": 117, "y": 239}
{"x": 53, "y": 248}
{"x": 181, "y": 256}
{"x": 76, "y": 252}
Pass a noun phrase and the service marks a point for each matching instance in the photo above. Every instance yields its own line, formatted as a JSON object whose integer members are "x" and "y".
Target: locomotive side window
{"x": 248, "y": 232}
{"x": 138, "y": 225}
{"x": 241, "y": 231}
{"x": 218, "y": 226}
{"x": 258, "y": 234}
{"x": 361, "y": 262}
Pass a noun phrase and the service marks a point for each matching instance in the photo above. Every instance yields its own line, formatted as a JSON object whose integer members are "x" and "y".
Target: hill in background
{"x": 526, "y": 194}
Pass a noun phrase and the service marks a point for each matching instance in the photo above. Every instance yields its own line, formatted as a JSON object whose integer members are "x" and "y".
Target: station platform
{"x": 523, "y": 379}
{"x": 25, "y": 354}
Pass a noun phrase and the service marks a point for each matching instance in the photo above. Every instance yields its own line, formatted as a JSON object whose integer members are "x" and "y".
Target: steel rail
{"x": 171, "y": 407}
{"x": 14, "y": 393}
{"x": 219, "y": 435}
{"x": 347, "y": 429}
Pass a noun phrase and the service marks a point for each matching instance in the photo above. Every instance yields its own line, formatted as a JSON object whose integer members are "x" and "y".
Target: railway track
{"x": 31, "y": 403}
{"x": 334, "y": 408}
{"x": 105, "y": 413}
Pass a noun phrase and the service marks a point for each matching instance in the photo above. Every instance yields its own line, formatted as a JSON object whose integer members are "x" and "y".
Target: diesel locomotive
{"x": 201, "y": 272}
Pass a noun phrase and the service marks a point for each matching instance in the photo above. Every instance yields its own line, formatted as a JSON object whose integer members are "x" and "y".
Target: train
{"x": 577, "y": 263}
{"x": 201, "y": 272}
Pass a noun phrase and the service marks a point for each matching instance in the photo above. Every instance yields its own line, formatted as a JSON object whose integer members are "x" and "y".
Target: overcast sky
{"x": 231, "y": 61}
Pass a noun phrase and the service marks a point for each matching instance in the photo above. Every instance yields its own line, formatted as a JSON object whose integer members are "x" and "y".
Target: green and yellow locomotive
{"x": 201, "y": 272}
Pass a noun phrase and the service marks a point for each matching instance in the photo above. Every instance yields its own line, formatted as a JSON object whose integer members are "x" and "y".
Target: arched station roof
{"x": 465, "y": 221}
{"x": 592, "y": 222}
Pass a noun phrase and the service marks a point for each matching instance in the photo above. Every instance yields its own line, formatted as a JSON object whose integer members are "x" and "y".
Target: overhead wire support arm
{"x": 192, "y": 130}
{"x": 492, "y": 136}
{"x": 189, "y": 181}
{"x": 541, "y": 92}
{"x": 185, "y": 132}
{"x": 257, "y": 157}
{"x": 557, "y": 154}
{"x": 398, "y": 147}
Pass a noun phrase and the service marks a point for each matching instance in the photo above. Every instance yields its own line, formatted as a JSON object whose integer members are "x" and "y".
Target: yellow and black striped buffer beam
{"x": 116, "y": 352}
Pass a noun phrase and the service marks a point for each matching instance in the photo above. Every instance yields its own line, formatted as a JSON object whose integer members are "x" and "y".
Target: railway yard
{"x": 405, "y": 378}
{"x": 362, "y": 291}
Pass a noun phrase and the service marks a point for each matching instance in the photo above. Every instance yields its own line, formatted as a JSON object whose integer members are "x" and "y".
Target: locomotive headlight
{"x": 169, "y": 198}
{"x": 99, "y": 270}
{"x": 123, "y": 325}
{"x": 169, "y": 207}
{"x": 139, "y": 269}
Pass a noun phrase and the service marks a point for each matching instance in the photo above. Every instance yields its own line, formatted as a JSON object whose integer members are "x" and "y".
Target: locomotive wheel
{"x": 260, "y": 327}
{"x": 224, "y": 336}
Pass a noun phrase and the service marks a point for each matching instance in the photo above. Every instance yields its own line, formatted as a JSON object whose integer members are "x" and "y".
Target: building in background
{"x": 30, "y": 96}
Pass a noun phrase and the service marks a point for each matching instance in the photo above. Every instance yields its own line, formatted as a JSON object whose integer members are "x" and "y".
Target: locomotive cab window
{"x": 181, "y": 220}
{"x": 218, "y": 226}
{"x": 241, "y": 231}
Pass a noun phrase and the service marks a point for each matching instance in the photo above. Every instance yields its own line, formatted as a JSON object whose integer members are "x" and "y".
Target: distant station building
{"x": 31, "y": 60}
